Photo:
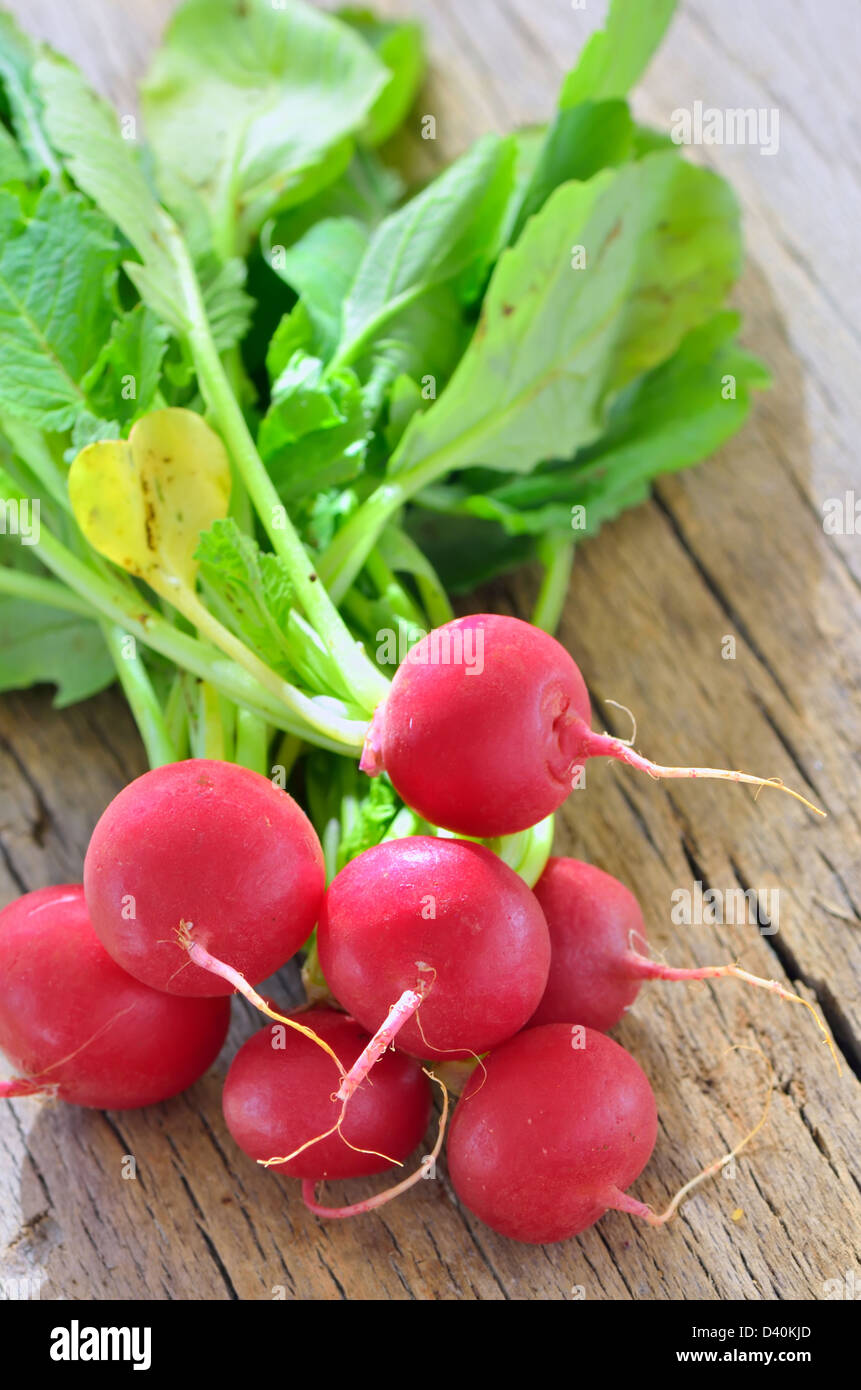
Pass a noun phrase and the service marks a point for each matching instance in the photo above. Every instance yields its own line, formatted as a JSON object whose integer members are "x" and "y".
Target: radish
{"x": 598, "y": 944}
{"x": 595, "y": 924}
{"x": 210, "y": 849}
{"x": 445, "y": 935}
{"x": 78, "y": 1027}
{"x": 278, "y": 1099}
{"x": 486, "y": 729}
{"x": 549, "y": 1133}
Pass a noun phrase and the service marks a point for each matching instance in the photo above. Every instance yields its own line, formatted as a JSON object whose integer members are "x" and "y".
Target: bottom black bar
{"x": 69, "y": 1339}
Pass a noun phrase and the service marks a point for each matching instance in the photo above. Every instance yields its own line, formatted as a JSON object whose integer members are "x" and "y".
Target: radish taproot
{"x": 208, "y": 850}
{"x": 78, "y": 1027}
{"x": 598, "y": 946}
{"x": 446, "y": 923}
{"x": 486, "y": 729}
{"x": 550, "y": 1131}
{"x": 278, "y": 1098}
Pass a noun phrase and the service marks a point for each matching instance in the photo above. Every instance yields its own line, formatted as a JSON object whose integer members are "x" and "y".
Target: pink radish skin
{"x": 78, "y": 1027}
{"x": 278, "y": 1096}
{"x": 487, "y": 726}
{"x": 447, "y": 921}
{"x": 482, "y": 753}
{"x": 549, "y": 1135}
{"x": 215, "y": 847}
{"x": 598, "y": 957}
{"x": 596, "y": 936}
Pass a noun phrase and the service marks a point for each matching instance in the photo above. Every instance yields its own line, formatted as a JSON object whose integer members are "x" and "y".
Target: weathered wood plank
{"x": 735, "y": 548}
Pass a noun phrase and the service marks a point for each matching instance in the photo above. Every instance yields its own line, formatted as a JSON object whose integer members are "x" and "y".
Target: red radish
{"x": 486, "y": 728}
{"x": 209, "y": 847}
{"x": 550, "y": 1132}
{"x": 279, "y": 1096}
{"x": 596, "y": 928}
{"x": 78, "y": 1027}
{"x": 598, "y": 944}
{"x": 443, "y": 921}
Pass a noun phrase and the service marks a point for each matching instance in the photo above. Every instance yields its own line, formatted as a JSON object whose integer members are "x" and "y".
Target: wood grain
{"x": 736, "y": 547}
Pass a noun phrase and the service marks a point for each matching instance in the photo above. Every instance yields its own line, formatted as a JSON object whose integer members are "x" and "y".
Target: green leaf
{"x": 425, "y": 341}
{"x": 678, "y": 414}
{"x": 377, "y": 804}
{"x": 41, "y": 645}
{"x": 668, "y": 419}
{"x": 449, "y": 229}
{"x": 88, "y": 429}
{"x": 366, "y": 192}
{"x": 13, "y": 166}
{"x": 400, "y": 46}
{"x": 295, "y": 333}
{"x": 320, "y": 267}
{"x": 315, "y": 432}
{"x": 56, "y": 305}
{"x": 228, "y": 308}
{"x": 86, "y": 131}
{"x": 580, "y": 142}
{"x": 405, "y": 400}
{"x": 245, "y": 105}
{"x": 555, "y": 343}
{"x": 251, "y": 590}
{"x": 123, "y": 382}
{"x": 464, "y": 551}
{"x": 18, "y": 55}
{"x": 615, "y": 58}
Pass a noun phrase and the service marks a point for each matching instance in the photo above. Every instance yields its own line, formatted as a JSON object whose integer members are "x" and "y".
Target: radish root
{"x": 360, "y": 1071}
{"x": 621, "y": 1201}
{"x": 655, "y": 970}
{"x": 397, "y": 1016}
{"x": 309, "y": 1186}
{"x": 603, "y": 745}
{"x": 318, "y": 1139}
{"x": 200, "y": 956}
{"x": 21, "y": 1086}
{"x": 628, "y": 742}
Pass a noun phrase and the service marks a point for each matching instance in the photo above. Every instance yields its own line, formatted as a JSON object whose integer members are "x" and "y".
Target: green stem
{"x": 126, "y": 607}
{"x": 431, "y": 589}
{"x": 224, "y": 229}
{"x": 405, "y": 823}
{"x": 331, "y": 842}
{"x": 314, "y": 983}
{"x": 367, "y": 683}
{"x": 97, "y": 585}
{"x": 176, "y": 715}
{"x": 38, "y": 589}
{"x": 526, "y": 853}
{"x": 138, "y": 690}
{"x": 287, "y": 754}
{"x": 324, "y": 721}
{"x": 240, "y": 503}
{"x": 557, "y": 555}
{"x": 349, "y": 550}
{"x": 31, "y": 448}
{"x": 210, "y": 729}
{"x": 252, "y": 742}
{"x": 348, "y": 352}
{"x": 393, "y": 592}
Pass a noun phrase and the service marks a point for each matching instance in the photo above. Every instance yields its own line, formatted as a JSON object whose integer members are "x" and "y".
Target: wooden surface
{"x": 736, "y": 547}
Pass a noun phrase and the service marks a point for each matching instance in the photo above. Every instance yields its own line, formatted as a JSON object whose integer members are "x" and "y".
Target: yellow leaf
{"x": 144, "y": 502}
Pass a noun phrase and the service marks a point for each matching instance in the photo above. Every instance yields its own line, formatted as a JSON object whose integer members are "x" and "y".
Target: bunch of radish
{"x": 203, "y": 878}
